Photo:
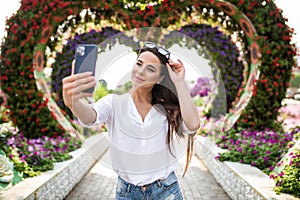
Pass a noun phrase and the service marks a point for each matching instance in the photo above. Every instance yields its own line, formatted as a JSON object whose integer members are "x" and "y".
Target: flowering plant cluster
{"x": 289, "y": 116}
{"x": 30, "y": 156}
{"x": 225, "y": 55}
{"x": 262, "y": 149}
{"x": 287, "y": 181}
{"x": 41, "y": 153}
{"x": 202, "y": 87}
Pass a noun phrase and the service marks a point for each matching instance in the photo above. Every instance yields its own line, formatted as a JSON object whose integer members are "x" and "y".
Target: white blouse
{"x": 138, "y": 149}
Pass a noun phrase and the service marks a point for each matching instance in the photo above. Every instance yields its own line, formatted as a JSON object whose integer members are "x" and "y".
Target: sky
{"x": 290, "y": 11}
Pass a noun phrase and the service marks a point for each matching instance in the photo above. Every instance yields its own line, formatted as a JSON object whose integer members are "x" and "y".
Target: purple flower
{"x": 30, "y": 148}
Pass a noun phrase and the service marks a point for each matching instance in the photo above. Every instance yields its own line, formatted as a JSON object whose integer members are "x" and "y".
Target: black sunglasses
{"x": 159, "y": 49}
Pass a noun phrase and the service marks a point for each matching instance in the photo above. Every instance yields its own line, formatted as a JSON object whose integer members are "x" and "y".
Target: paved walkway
{"x": 100, "y": 183}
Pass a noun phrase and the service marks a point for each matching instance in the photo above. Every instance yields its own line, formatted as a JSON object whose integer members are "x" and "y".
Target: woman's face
{"x": 146, "y": 71}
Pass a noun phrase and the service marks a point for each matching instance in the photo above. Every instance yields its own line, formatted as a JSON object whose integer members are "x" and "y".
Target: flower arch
{"x": 34, "y": 27}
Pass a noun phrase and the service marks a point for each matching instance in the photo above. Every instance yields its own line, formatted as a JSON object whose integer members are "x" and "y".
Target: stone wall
{"x": 240, "y": 181}
{"x": 57, "y": 183}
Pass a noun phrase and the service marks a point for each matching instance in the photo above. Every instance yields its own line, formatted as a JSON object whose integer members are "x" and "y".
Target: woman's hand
{"x": 176, "y": 70}
{"x": 74, "y": 85}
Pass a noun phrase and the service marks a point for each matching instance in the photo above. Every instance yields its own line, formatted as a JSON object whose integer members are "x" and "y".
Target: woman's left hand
{"x": 176, "y": 70}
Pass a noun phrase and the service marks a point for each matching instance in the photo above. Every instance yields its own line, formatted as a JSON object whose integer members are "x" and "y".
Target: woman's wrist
{"x": 181, "y": 84}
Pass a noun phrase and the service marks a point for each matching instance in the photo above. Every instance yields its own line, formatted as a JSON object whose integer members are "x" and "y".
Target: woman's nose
{"x": 141, "y": 70}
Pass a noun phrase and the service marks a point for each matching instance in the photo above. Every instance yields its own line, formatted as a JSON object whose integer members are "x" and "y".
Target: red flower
{"x": 279, "y": 25}
{"x": 287, "y": 38}
{"x": 4, "y": 78}
{"x": 151, "y": 10}
{"x": 25, "y": 23}
{"x": 275, "y": 84}
{"x": 241, "y": 2}
{"x": 45, "y": 8}
{"x": 264, "y": 80}
{"x": 269, "y": 51}
{"x": 22, "y": 73}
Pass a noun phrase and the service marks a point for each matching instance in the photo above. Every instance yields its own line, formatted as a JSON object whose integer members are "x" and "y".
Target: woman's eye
{"x": 151, "y": 70}
{"x": 138, "y": 63}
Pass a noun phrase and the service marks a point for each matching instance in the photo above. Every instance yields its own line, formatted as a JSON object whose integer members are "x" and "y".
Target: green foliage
{"x": 23, "y": 167}
{"x": 100, "y": 91}
{"x": 121, "y": 89}
{"x": 295, "y": 81}
{"x": 288, "y": 181}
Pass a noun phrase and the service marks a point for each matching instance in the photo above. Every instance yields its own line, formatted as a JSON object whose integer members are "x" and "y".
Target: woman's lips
{"x": 139, "y": 79}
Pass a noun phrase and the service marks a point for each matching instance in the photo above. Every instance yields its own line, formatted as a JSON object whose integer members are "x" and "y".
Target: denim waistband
{"x": 167, "y": 181}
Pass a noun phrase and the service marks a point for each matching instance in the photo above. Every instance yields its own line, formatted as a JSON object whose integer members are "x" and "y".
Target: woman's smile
{"x": 138, "y": 79}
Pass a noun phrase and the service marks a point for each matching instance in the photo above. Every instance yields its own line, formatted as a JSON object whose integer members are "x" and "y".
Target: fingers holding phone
{"x": 75, "y": 86}
{"x": 81, "y": 82}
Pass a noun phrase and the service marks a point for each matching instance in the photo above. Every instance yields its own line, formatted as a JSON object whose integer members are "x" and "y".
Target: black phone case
{"x": 85, "y": 59}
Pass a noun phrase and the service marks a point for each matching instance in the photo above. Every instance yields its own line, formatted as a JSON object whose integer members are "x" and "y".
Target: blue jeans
{"x": 158, "y": 190}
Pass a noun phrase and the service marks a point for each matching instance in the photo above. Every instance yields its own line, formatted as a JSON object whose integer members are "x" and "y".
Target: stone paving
{"x": 100, "y": 183}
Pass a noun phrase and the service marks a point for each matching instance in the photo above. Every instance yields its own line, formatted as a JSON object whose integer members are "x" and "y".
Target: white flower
{"x": 6, "y": 170}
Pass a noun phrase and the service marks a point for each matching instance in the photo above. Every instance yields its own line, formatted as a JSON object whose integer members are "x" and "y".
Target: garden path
{"x": 100, "y": 182}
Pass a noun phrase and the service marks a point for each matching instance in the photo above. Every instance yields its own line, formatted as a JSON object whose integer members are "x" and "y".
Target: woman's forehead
{"x": 149, "y": 58}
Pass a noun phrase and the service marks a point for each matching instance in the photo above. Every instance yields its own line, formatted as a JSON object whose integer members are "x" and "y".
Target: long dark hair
{"x": 165, "y": 94}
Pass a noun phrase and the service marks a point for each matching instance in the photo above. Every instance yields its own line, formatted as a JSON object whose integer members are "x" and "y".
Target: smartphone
{"x": 85, "y": 60}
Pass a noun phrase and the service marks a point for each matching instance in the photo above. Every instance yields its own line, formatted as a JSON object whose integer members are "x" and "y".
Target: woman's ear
{"x": 160, "y": 79}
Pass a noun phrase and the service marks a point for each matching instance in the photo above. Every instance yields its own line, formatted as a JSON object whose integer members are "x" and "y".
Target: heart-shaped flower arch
{"x": 217, "y": 44}
{"x": 36, "y": 114}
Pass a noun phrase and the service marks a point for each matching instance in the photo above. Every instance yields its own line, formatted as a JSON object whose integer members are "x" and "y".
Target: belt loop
{"x": 158, "y": 183}
{"x": 128, "y": 188}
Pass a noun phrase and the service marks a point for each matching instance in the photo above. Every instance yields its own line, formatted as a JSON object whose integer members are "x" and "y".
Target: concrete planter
{"x": 240, "y": 181}
{"x": 57, "y": 183}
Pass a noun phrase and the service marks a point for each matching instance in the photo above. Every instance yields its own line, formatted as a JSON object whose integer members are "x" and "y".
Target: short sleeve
{"x": 103, "y": 109}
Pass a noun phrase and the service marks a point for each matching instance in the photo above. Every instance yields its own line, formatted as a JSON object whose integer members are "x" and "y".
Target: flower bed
{"x": 262, "y": 149}
{"x": 57, "y": 183}
{"x": 240, "y": 181}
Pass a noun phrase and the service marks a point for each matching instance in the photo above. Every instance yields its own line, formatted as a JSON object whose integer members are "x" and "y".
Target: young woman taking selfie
{"x": 143, "y": 124}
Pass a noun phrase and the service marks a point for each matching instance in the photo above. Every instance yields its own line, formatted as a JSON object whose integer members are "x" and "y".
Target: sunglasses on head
{"x": 161, "y": 50}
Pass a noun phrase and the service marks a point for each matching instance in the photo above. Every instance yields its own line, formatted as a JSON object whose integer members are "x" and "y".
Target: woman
{"x": 142, "y": 123}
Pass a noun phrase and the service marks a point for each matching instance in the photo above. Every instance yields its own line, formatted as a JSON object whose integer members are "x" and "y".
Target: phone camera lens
{"x": 80, "y": 51}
